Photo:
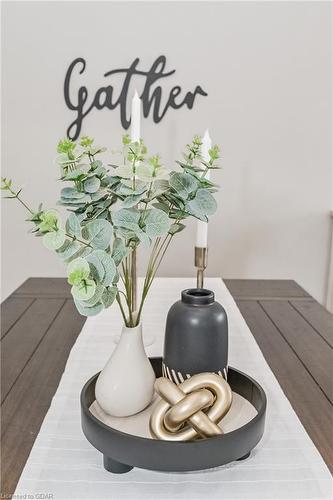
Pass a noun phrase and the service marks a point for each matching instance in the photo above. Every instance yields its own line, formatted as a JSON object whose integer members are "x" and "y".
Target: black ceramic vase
{"x": 196, "y": 336}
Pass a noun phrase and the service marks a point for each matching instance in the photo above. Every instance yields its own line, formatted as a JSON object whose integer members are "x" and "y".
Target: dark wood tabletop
{"x": 39, "y": 325}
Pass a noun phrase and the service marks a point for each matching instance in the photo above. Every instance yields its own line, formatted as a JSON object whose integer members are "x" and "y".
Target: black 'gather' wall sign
{"x": 106, "y": 97}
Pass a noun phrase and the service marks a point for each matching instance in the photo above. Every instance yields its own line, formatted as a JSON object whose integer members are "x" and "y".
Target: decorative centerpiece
{"x": 185, "y": 432}
{"x": 114, "y": 208}
{"x": 197, "y": 419}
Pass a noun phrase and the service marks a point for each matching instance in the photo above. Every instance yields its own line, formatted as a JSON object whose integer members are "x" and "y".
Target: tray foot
{"x": 116, "y": 467}
{"x": 244, "y": 457}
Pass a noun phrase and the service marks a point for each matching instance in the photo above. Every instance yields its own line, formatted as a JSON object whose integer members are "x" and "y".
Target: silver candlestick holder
{"x": 200, "y": 262}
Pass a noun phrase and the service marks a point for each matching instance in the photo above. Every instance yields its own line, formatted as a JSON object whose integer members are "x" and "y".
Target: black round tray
{"x": 123, "y": 451}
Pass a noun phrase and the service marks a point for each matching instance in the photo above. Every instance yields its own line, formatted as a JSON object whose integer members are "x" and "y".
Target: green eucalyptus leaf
{"x": 203, "y": 181}
{"x": 109, "y": 267}
{"x": 65, "y": 161}
{"x": 156, "y": 222}
{"x": 96, "y": 150}
{"x": 96, "y": 164}
{"x": 176, "y": 228}
{"x": 80, "y": 214}
{"x": 68, "y": 249}
{"x": 82, "y": 252}
{"x": 178, "y": 214}
{"x": 77, "y": 271}
{"x": 175, "y": 200}
{"x": 96, "y": 267}
{"x": 96, "y": 297}
{"x": 109, "y": 295}
{"x": 145, "y": 172}
{"x": 159, "y": 188}
{"x": 54, "y": 239}
{"x": 124, "y": 190}
{"x": 198, "y": 215}
{"x": 140, "y": 187}
{"x": 98, "y": 233}
{"x": 92, "y": 184}
{"x": 183, "y": 183}
{"x": 162, "y": 173}
{"x": 110, "y": 181}
{"x": 149, "y": 173}
{"x": 49, "y": 221}
{"x": 162, "y": 206}
{"x": 98, "y": 195}
{"x": 127, "y": 186}
{"x": 162, "y": 184}
{"x": 86, "y": 141}
{"x": 127, "y": 234}
{"x": 75, "y": 202}
{"x": 104, "y": 266}
{"x": 73, "y": 225}
{"x": 66, "y": 146}
{"x": 144, "y": 238}
{"x": 127, "y": 218}
{"x": 132, "y": 200}
{"x": 73, "y": 175}
{"x": 71, "y": 193}
{"x": 202, "y": 205}
{"x": 119, "y": 250}
{"x": 84, "y": 290}
{"x": 100, "y": 171}
{"x": 124, "y": 171}
{"x": 86, "y": 310}
{"x": 183, "y": 165}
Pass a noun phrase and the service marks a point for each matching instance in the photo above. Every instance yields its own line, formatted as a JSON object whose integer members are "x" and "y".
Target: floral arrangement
{"x": 114, "y": 209}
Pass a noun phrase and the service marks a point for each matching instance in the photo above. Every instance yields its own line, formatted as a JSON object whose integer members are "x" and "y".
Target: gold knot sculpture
{"x": 179, "y": 416}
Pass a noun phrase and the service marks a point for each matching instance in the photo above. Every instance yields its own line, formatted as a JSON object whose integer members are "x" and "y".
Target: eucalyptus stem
{"x": 121, "y": 309}
{"x": 74, "y": 238}
{"x": 24, "y": 204}
{"x": 146, "y": 201}
{"x": 16, "y": 195}
{"x": 161, "y": 258}
{"x": 127, "y": 288}
{"x": 148, "y": 274}
{"x": 156, "y": 256}
{"x": 159, "y": 250}
{"x": 151, "y": 257}
{"x": 133, "y": 271}
{"x": 134, "y": 171}
{"x": 130, "y": 287}
{"x": 152, "y": 269}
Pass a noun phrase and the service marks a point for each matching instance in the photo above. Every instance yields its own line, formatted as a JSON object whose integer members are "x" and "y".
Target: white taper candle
{"x": 135, "y": 117}
{"x": 135, "y": 137}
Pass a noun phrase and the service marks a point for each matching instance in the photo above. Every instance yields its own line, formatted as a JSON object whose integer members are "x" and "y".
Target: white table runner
{"x": 285, "y": 464}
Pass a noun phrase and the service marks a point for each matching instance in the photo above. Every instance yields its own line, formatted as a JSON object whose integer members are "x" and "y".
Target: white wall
{"x": 267, "y": 69}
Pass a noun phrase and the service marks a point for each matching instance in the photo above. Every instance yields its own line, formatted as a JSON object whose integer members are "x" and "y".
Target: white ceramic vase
{"x": 125, "y": 386}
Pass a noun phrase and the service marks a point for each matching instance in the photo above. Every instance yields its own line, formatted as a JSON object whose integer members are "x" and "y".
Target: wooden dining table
{"x": 39, "y": 325}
